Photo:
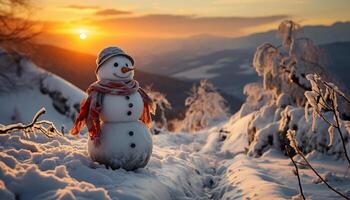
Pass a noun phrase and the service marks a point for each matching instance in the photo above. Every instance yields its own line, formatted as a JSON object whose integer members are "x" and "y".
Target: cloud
{"x": 81, "y": 7}
{"x": 185, "y": 25}
{"x": 111, "y": 12}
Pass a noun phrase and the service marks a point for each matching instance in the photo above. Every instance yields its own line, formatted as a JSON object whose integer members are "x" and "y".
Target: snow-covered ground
{"x": 210, "y": 164}
{"x": 40, "y": 168}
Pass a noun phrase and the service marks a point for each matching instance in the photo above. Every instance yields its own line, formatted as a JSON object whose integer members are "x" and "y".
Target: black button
{"x": 131, "y": 105}
{"x": 127, "y": 97}
{"x": 129, "y": 113}
{"x": 131, "y": 133}
{"x": 132, "y": 145}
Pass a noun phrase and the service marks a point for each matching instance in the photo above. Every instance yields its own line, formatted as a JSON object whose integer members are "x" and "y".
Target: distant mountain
{"x": 338, "y": 56}
{"x": 231, "y": 69}
{"x": 337, "y": 32}
{"x": 226, "y": 61}
{"x": 188, "y": 48}
{"x": 79, "y": 69}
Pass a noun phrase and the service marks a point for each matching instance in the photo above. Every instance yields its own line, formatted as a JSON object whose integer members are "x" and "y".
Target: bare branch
{"x": 43, "y": 126}
{"x": 14, "y": 27}
{"x": 288, "y": 150}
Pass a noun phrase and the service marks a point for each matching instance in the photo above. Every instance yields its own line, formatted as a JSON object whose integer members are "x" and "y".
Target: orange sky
{"x": 130, "y": 21}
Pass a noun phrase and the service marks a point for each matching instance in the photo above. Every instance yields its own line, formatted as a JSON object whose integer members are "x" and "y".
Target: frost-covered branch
{"x": 43, "y": 126}
{"x": 322, "y": 98}
{"x": 295, "y": 146}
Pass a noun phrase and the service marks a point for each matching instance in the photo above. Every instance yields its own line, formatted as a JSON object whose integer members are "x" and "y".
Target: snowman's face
{"x": 115, "y": 68}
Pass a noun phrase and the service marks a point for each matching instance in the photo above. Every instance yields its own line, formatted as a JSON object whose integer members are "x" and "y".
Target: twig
{"x": 341, "y": 135}
{"x": 319, "y": 176}
{"x": 323, "y": 117}
{"x": 20, "y": 126}
{"x": 339, "y": 93}
{"x": 44, "y": 126}
{"x": 287, "y": 147}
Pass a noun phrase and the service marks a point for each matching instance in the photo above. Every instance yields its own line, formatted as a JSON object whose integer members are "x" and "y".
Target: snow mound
{"x": 269, "y": 125}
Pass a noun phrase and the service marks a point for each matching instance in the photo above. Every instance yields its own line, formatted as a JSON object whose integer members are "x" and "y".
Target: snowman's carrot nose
{"x": 127, "y": 69}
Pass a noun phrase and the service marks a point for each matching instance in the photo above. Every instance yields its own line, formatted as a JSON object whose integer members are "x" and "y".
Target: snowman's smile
{"x": 116, "y": 75}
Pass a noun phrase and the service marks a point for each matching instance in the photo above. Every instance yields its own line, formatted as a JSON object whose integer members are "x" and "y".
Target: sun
{"x": 82, "y": 36}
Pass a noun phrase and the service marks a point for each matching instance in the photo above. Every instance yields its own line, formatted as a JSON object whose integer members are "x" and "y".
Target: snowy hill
{"x": 25, "y": 88}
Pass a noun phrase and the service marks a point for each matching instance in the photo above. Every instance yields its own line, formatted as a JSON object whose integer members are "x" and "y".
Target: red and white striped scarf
{"x": 90, "y": 108}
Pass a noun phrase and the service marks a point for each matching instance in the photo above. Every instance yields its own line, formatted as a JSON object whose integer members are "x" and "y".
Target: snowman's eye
{"x": 116, "y": 64}
{"x": 127, "y": 64}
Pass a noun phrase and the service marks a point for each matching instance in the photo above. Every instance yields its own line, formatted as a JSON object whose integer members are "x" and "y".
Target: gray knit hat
{"x": 108, "y": 53}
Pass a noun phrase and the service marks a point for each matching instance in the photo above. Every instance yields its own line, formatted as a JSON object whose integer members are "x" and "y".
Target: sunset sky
{"x": 96, "y": 21}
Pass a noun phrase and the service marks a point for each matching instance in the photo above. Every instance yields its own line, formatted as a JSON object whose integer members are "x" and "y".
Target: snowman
{"x": 117, "y": 114}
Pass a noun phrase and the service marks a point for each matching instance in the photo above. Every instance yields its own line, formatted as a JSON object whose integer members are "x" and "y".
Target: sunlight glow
{"x": 82, "y": 36}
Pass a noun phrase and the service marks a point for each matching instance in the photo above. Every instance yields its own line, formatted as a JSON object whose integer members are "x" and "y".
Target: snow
{"x": 271, "y": 177}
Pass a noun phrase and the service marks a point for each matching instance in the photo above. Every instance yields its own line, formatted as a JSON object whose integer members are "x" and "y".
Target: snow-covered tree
{"x": 204, "y": 106}
{"x": 286, "y": 76}
{"x": 257, "y": 97}
{"x": 284, "y": 68}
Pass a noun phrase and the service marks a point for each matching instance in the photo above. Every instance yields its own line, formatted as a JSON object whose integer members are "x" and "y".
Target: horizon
{"x": 88, "y": 26}
{"x": 81, "y": 42}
